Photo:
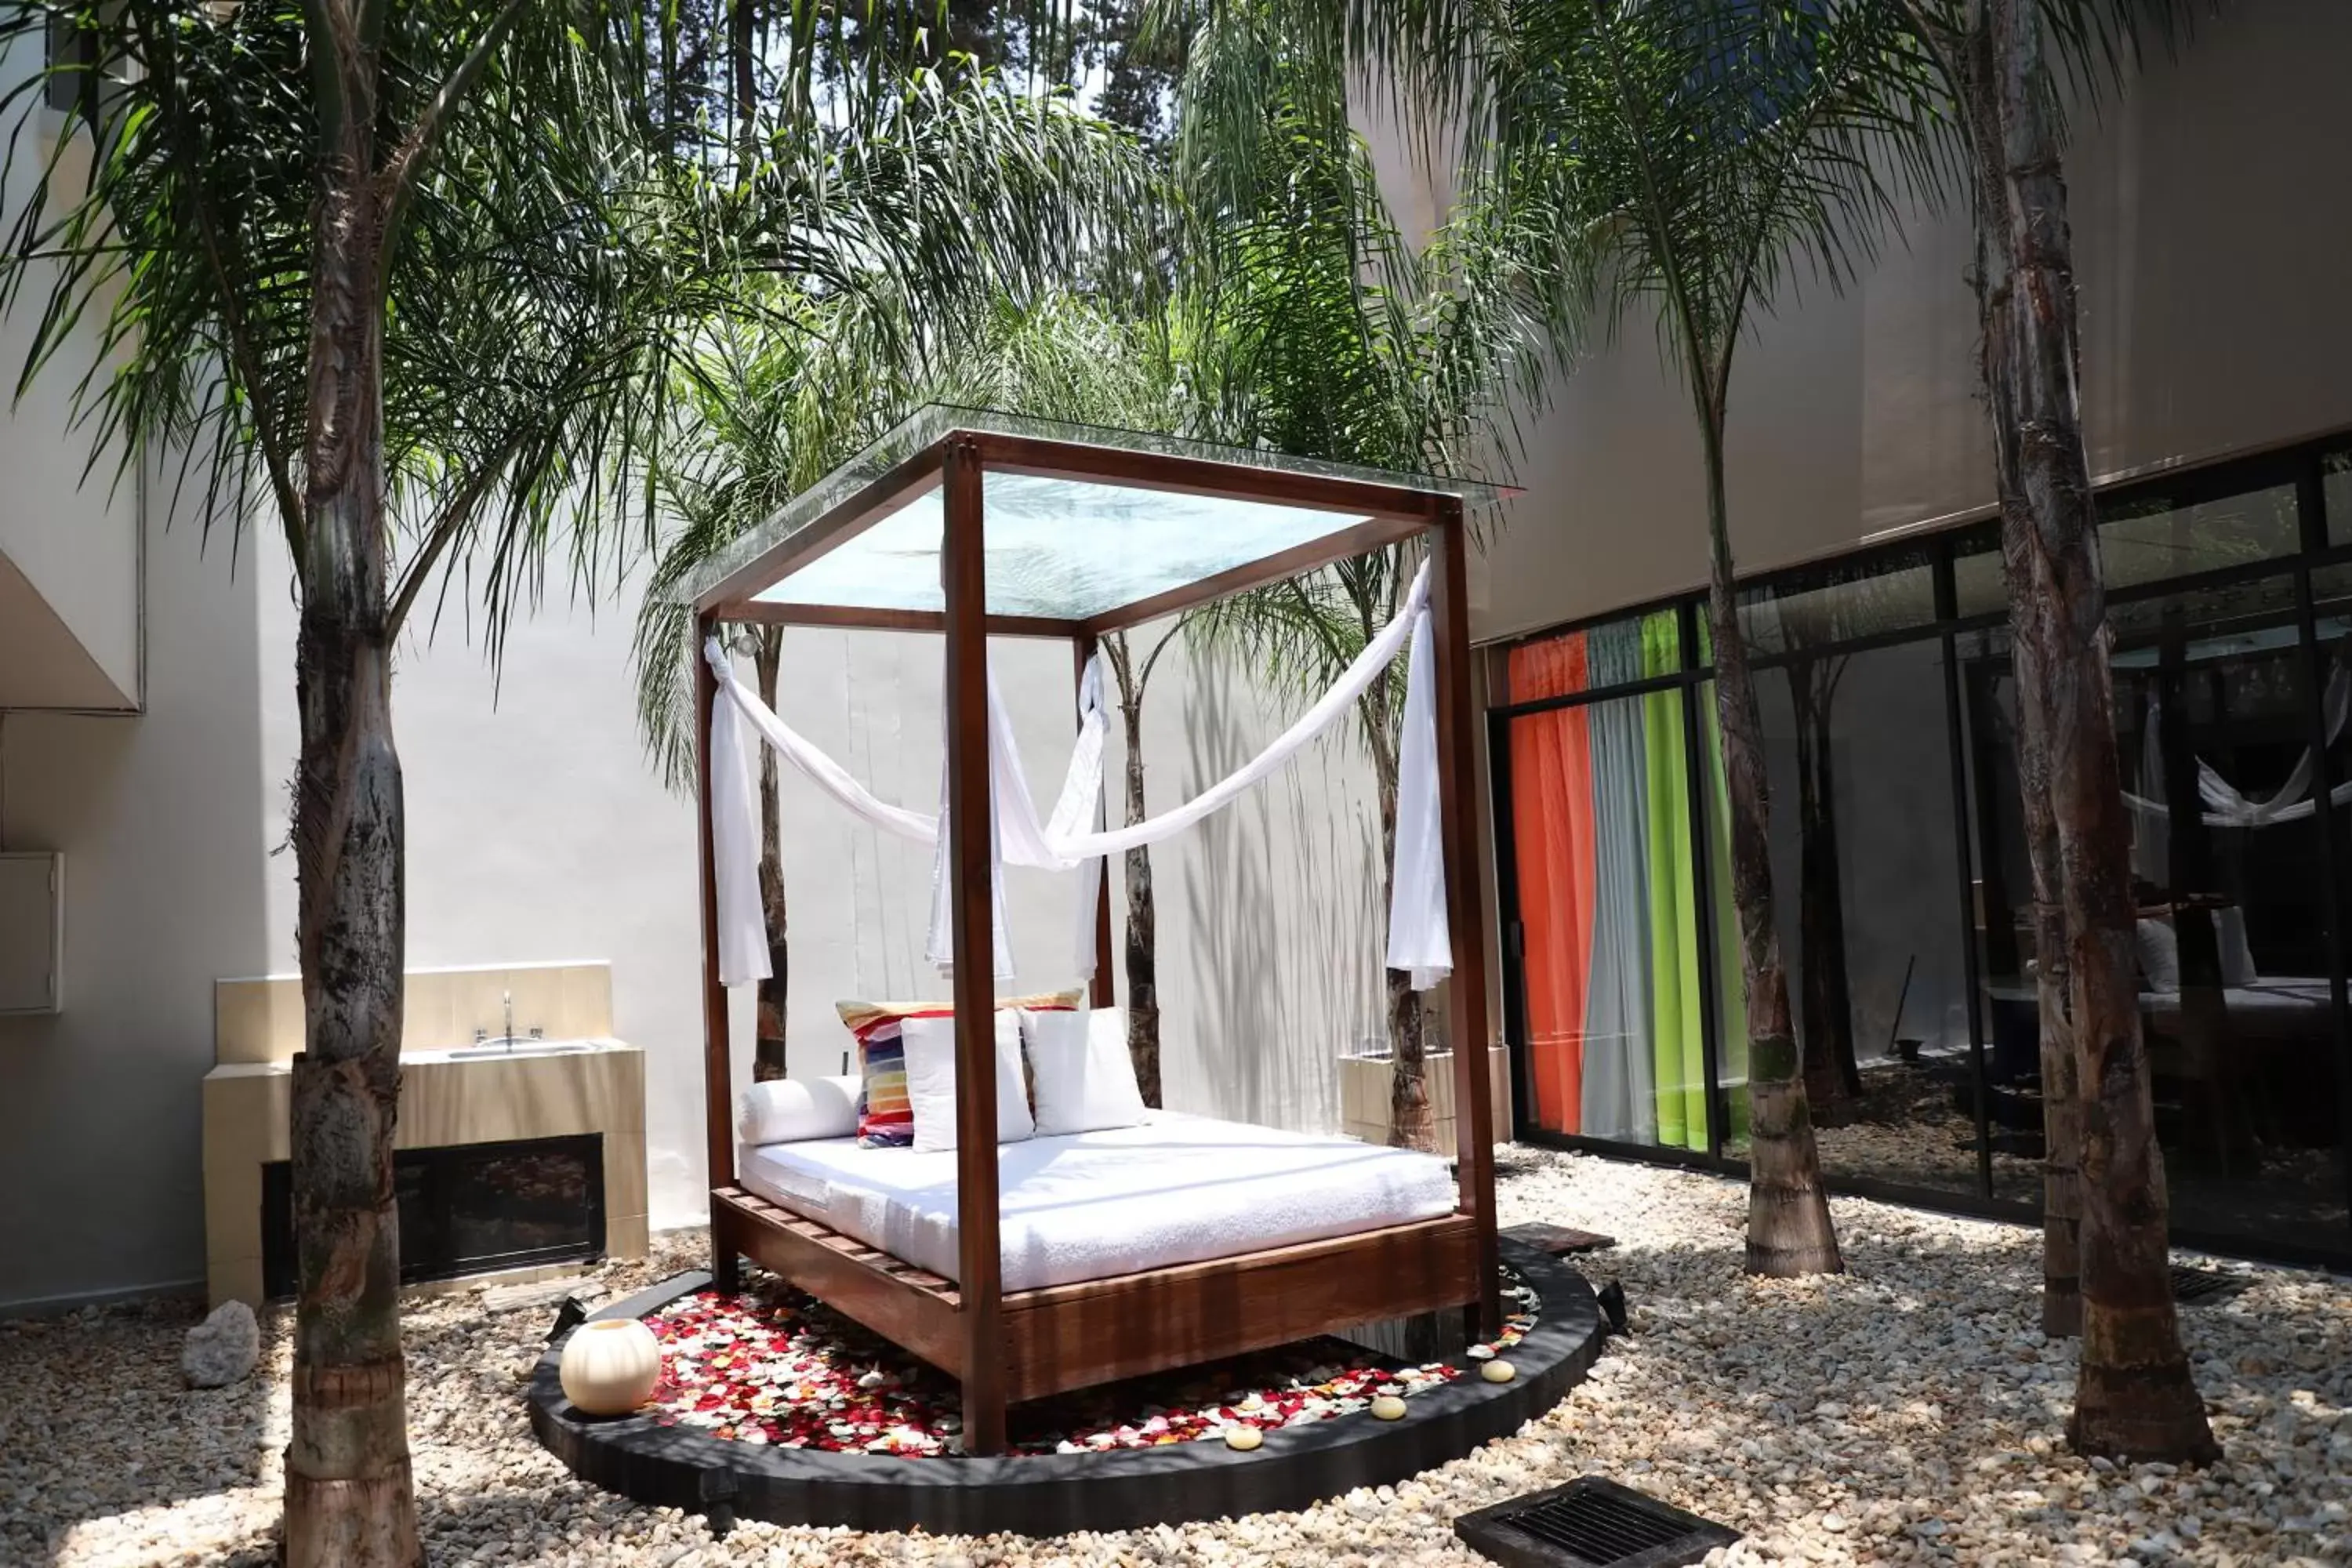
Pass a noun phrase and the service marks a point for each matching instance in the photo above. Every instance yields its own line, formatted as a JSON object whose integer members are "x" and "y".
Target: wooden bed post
{"x": 718, "y": 1088}
{"x": 1466, "y": 907}
{"x": 1100, "y": 992}
{"x": 970, "y": 836}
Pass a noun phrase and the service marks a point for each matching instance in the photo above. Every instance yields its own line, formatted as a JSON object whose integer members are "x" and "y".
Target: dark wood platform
{"x": 1099, "y": 1331}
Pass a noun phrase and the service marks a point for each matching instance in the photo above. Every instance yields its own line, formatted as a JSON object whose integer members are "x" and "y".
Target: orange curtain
{"x": 1551, "y": 811}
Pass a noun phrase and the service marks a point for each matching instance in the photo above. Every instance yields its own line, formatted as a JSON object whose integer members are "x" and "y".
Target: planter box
{"x": 1364, "y": 1085}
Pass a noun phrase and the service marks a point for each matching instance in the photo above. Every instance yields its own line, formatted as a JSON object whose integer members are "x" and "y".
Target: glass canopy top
{"x": 1057, "y": 547}
{"x": 1062, "y": 549}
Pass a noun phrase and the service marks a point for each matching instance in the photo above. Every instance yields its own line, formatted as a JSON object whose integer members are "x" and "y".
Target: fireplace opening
{"x": 467, "y": 1208}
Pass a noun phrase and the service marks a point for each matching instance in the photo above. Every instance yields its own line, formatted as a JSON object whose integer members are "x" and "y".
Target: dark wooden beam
{"x": 717, "y": 1086}
{"x": 903, "y": 1304}
{"x": 964, "y": 581}
{"x": 1192, "y": 475}
{"x": 1100, "y": 992}
{"x": 858, "y": 512}
{"x": 1465, "y": 908}
{"x": 1372, "y": 534}
{"x": 761, "y": 612}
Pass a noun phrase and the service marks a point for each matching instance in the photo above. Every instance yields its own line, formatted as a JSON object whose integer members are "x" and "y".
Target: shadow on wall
{"x": 1278, "y": 944}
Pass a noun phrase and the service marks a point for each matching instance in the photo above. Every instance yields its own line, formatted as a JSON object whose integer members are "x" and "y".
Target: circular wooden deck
{"x": 678, "y": 1467}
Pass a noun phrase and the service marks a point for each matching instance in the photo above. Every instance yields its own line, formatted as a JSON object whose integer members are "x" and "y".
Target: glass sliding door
{"x": 1865, "y": 883}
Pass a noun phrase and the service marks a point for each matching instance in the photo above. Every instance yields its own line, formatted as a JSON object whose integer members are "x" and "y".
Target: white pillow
{"x": 1085, "y": 1078}
{"x": 930, "y": 1081}
{"x": 2237, "y": 955}
{"x": 2159, "y": 954}
{"x": 793, "y": 1109}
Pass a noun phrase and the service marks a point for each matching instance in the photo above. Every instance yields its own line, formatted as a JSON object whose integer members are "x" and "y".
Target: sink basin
{"x": 491, "y": 1050}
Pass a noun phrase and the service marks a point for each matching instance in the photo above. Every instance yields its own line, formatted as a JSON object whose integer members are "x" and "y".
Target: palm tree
{"x": 770, "y": 408}
{"x": 2135, "y": 1398}
{"x": 1717, "y": 146}
{"x": 420, "y": 277}
{"x": 1314, "y": 330}
{"x": 1131, "y": 675}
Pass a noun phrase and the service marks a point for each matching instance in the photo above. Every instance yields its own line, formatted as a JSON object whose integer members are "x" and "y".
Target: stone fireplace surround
{"x": 257, "y": 1029}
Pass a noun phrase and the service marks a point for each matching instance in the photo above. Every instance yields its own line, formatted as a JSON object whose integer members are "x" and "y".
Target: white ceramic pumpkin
{"x": 610, "y": 1366}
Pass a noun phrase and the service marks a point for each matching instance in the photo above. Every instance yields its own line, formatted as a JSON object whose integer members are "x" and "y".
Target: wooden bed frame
{"x": 1006, "y": 1347}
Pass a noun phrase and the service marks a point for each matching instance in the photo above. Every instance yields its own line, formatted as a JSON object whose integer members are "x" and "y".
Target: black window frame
{"x": 2302, "y": 465}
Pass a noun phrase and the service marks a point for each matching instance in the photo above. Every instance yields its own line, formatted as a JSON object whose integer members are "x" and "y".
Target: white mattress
{"x": 1178, "y": 1189}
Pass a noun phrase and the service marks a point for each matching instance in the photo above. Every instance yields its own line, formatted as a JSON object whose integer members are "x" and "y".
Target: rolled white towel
{"x": 793, "y": 1110}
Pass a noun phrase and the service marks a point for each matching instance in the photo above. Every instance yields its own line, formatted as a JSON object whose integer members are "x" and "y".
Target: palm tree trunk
{"x": 2061, "y": 1109}
{"x": 2134, "y": 1398}
{"x": 768, "y": 1054}
{"x": 1142, "y": 917}
{"x": 1789, "y": 1229}
{"x": 1410, "y": 1124}
{"x": 1833, "y": 1078}
{"x": 350, "y": 1497}
{"x": 742, "y": 81}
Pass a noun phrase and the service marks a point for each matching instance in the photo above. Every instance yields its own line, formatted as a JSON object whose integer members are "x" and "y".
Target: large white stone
{"x": 223, "y": 1348}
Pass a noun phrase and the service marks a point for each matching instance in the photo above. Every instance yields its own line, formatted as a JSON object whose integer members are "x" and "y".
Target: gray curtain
{"x": 1619, "y": 1074}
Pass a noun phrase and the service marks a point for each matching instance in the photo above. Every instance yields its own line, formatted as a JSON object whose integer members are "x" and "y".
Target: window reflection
{"x": 1886, "y": 595}
{"x": 2150, "y": 538}
{"x": 1864, "y": 890}
{"x": 2236, "y": 1007}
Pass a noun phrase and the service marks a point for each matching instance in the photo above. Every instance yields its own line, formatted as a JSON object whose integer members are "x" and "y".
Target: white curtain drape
{"x": 1419, "y": 939}
{"x": 2224, "y": 805}
{"x": 1420, "y": 944}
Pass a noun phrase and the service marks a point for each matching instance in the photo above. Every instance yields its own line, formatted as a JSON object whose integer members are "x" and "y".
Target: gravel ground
{"x": 1907, "y": 1412}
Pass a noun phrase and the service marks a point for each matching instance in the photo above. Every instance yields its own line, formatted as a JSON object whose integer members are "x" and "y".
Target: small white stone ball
{"x": 1242, "y": 1439}
{"x": 1498, "y": 1371}
{"x": 1389, "y": 1407}
{"x": 610, "y": 1366}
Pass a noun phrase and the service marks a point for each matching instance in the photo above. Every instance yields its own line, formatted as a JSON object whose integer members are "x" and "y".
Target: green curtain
{"x": 1676, "y": 1002}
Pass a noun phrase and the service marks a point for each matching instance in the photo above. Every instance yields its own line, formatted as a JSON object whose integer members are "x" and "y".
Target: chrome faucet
{"x": 506, "y": 1040}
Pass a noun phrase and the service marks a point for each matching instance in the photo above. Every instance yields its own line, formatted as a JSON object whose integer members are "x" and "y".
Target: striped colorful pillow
{"x": 885, "y": 1118}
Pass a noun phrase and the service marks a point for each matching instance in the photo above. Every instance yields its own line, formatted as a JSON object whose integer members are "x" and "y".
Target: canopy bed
{"x": 1073, "y": 1258}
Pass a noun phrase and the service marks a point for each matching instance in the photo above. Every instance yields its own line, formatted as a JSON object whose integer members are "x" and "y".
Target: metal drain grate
{"x": 1590, "y": 1523}
{"x": 2202, "y": 1287}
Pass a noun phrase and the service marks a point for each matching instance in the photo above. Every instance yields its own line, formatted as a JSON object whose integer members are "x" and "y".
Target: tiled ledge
{"x": 260, "y": 1020}
{"x": 1364, "y": 1091}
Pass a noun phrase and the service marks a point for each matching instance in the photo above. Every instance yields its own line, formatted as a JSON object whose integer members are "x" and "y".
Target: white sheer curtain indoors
{"x": 2224, "y": 804}
{"x": 1419, "y": 939}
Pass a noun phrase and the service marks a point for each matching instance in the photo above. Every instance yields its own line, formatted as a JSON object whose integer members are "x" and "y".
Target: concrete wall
{"x": 161, "y": 818}
{"x": 68, "y": 549}
{"x": 2214, "y": 322}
